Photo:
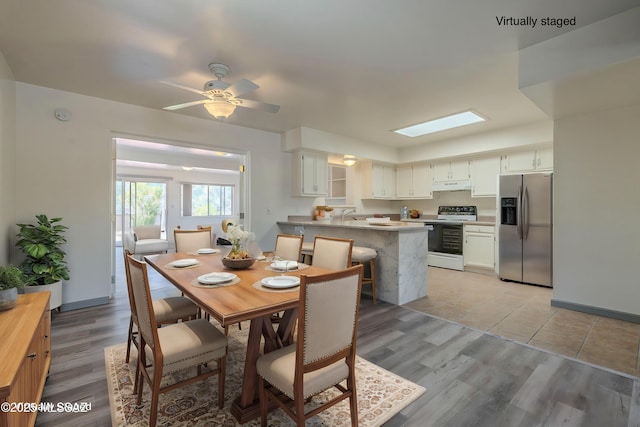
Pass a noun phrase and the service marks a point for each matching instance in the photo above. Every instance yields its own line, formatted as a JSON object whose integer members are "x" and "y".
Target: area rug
{"x": 381, "y": 395}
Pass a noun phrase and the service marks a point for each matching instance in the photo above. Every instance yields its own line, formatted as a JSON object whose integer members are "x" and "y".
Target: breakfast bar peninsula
{"x": 401, "y": 265}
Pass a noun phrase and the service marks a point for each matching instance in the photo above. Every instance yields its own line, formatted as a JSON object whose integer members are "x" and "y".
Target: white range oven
{"x": 446, "y": 236}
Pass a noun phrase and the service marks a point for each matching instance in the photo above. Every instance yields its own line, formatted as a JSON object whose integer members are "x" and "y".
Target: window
{"x": 207, "y": 200}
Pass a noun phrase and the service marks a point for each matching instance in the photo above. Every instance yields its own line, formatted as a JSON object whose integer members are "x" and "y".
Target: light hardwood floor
{"x": 472, "y": 378}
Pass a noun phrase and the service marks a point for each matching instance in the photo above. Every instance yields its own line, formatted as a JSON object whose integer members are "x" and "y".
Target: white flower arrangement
{"x": 236, "y": 236}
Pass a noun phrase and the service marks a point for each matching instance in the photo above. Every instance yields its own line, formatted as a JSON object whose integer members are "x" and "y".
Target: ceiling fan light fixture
{"x": 349, "y": 160}
{"x": 220, "y": 109}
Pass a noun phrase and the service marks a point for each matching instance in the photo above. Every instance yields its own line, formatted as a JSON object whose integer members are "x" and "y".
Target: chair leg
{"x": 264, "y": 402}
{"x": 353, "y": 399}
{"x": 372, "y": 267}
{"x": 155, "y": 395}
{"x": 129, "y": 339}
{"x": 222, "y": 369}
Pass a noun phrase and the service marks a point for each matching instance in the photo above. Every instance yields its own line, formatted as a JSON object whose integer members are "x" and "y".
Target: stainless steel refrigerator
{"x": 525, "y": 228}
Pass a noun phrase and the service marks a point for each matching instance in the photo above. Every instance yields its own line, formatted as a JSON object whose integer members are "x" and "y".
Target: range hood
{"x": 451, "y": 185}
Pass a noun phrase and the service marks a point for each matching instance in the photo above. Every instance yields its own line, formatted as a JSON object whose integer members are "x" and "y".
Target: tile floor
{"x": 523, "y": 313}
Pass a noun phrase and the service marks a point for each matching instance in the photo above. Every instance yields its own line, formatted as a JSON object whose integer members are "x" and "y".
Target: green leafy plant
{"x": 10, "y": 277}
{"x": 42, "y": 244}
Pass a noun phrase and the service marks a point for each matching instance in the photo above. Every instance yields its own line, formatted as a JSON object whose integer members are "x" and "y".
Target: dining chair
{"x": 325, "y": 350}
{"x": 172, "y": 348}
{"x": 167, "y": 310}
{"x": 332, "y": 253}
{"x": 288, "y": 246}
{"x": 191, "y": 240}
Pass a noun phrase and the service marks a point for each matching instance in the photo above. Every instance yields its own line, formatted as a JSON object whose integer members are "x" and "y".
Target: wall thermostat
{"x": 63, "y": 114}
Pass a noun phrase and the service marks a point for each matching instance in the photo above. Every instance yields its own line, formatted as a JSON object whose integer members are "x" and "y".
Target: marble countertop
{"x": 337, "y": 223}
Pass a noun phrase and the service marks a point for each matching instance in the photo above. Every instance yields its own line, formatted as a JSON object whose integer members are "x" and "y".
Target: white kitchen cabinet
{"x": 310, "y": 174}
{"x": 454, "y": 170}
{"x": 484, "y": 174}
{"x": 528, "y": 161}
{"x": 414, "y": 182}
{"x": 479, "y": 246}
{"x": 378, "y": 180}
{"x": 544, "y": 159}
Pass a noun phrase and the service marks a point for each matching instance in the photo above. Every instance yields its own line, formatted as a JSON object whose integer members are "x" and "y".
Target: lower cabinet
{"x": 479, "y": 246}
{"x": 26, "y": 356}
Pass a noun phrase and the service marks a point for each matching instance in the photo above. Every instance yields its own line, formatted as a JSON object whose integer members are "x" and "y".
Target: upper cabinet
{"x": 378, "y": 180}
{"x": 484, "y": 172}
{"x": 414, "y": 182}
{"x": 310, "y": 174}
{"x": 527, "y": 161}
{"x": 454, "y": 170}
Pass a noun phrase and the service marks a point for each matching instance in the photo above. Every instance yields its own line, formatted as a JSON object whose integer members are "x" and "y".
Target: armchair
{"x": 145, "y": 240}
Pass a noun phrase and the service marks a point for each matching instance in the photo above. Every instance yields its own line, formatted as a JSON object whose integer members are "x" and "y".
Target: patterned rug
{"x": 381, "y": 395}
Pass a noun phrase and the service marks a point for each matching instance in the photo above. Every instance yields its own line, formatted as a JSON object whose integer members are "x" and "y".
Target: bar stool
{"x": 307, "y": 251}
{"x": 362, "y": 255}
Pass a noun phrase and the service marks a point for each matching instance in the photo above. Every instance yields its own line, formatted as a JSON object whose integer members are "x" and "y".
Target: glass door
{"x": 139, "y": 201}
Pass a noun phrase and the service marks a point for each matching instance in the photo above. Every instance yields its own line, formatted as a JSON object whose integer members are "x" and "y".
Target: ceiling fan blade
{"x": 190, "y": 89}
{"x": 186, "y": 104}
{"x": 257, "y": 105}
{"x": 241, "y": 87}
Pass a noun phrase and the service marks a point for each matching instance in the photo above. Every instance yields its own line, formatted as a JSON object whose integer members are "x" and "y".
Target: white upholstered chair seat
{"x": 362, "y": 254}
{"x": 148, "y": 246}
{"x": 174, "y": 308}
{"x": 188, "y": 344}
{"x": 279, "y": 367}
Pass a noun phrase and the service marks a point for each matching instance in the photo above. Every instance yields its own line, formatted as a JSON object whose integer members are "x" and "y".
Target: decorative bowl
{"x": 238, "y": 264}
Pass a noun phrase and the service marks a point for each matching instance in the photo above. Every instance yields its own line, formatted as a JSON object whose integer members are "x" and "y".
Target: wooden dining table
{"x": 244, "y": 300}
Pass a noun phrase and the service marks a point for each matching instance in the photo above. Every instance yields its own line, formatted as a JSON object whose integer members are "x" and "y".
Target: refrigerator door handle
{"x": 525, "y": 214}
{"x": 519, "y": 216}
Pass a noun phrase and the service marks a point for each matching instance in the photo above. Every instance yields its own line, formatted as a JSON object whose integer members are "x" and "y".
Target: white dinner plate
{"x": 187, "y": 262}
{"x": 283, "y": 265}
{"x": 281, "y": 282}
{"x": 208, "y": 251}
{"x": 216, "y": 278}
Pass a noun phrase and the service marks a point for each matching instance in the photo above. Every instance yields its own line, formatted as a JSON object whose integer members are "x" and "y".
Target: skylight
{"x": 444, "y": 123}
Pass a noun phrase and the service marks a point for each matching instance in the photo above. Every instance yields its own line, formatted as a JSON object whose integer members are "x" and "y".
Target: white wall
{"x": 7, "y": 157}
{"x": 65, "y": 169}
{"x": 597, "y": 205}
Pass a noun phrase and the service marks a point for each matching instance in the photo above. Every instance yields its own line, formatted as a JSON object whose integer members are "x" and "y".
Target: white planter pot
{"x": 56, "y": 293}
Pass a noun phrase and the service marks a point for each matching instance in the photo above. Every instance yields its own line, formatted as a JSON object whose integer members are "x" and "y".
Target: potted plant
{"x": 45, "y": 266}
{"x": 11, "y": 279}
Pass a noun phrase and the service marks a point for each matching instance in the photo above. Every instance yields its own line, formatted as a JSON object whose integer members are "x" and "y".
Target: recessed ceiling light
{"x": 444, "y": 123}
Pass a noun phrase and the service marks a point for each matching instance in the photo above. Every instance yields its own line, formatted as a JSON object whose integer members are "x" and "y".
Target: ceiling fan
{"x": 222, "y": 97}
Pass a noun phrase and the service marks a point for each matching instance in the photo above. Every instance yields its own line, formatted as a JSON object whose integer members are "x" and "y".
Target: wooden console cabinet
{"x": 25, "y": 357}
